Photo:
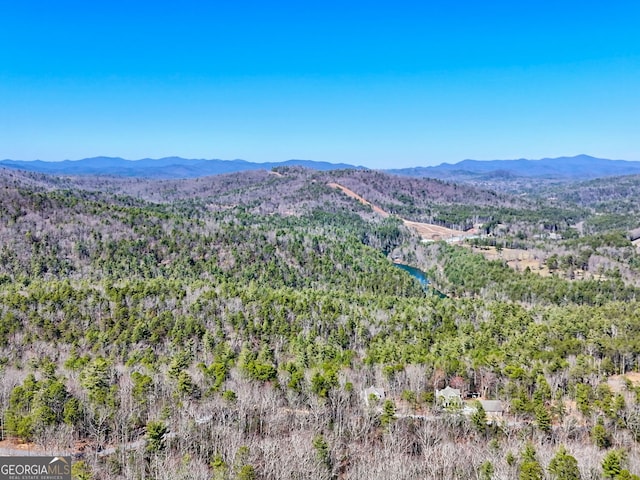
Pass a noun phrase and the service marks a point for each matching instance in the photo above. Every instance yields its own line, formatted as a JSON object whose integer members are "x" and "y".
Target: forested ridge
{"x": 227, "y": 327}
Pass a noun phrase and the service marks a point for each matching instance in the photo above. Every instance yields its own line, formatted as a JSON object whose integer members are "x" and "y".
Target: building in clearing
{"x": 372, "y": 393}
{"x": 449, "y": 397}
{"x": 493, "y": 408}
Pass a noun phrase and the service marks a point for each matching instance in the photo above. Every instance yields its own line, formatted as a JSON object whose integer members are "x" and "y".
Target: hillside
{"x": 227, "y": 327}
{"x": 294, "y": 190}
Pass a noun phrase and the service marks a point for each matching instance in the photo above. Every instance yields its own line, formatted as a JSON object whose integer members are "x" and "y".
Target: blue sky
{"x": 379, "y": 84}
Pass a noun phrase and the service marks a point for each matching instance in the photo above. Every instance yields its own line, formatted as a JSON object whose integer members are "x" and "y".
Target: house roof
{"x": 378, "y": 392}
{"x": 492, "y": 406}
{"x": 448, "y": 392}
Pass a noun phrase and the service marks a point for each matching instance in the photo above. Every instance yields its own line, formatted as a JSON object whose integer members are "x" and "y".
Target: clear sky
{"x": 381, "y": 84}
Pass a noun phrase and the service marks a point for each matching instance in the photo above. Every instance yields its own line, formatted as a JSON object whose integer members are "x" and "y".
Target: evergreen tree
{"x": 530, "y": 468}
{"x": 531, "y": 471}
{"x": 627, "y": 475}
{"x": 479, "y": 418}
{"x": 600, "y": 436}
{"x": 486, "y": 471}
{"x": 388, "y": 413}
{"x": 322, "y": 451}
{"x": 612, "y": 463}
{"x": 156, "y": 433}
{"x": 543, "y": 419}
{"x": 564, "y": 466}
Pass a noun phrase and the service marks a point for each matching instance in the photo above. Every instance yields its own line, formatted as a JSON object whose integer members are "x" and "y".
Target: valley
{"x": 253, "y": 325}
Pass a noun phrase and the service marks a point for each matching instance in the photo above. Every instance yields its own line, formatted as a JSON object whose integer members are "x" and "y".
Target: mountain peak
{"x": 577, "y": 167}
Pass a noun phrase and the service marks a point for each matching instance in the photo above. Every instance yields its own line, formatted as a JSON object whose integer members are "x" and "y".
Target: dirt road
{"x": 427, "y": 231}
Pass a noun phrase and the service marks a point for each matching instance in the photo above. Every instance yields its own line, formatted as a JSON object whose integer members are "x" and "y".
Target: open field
{"x": 517, "y": 259}
{"x": 429, "y": 231}
{"x": 618, "y": 382}
{"x": 520, "y": 259}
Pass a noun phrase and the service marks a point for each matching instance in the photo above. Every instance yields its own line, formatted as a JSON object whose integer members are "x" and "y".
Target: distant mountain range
{"x": 578, "y": 167}
{"x": 162, "y": 168}
{"x": 567, "y": 168}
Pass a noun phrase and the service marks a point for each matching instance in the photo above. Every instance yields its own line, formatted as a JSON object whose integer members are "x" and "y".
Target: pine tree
{"x": 627, "y": 475}
{"x": 600, "y": 436}
{"x": 543, "y": 419}
{"x": 612, "y": 463}
{"x": 156, "y": 432}
{"x": 388, "y": 413}
{"x": 486, "y": 471}
{"x": 322, "y": 450}
{"x": 479, "y": 418}
{"x": 564, "y": 466}
{"x": 530, "y": 469}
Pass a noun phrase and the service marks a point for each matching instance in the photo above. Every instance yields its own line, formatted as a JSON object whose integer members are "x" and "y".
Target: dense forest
{"x": 231, "y": 327}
